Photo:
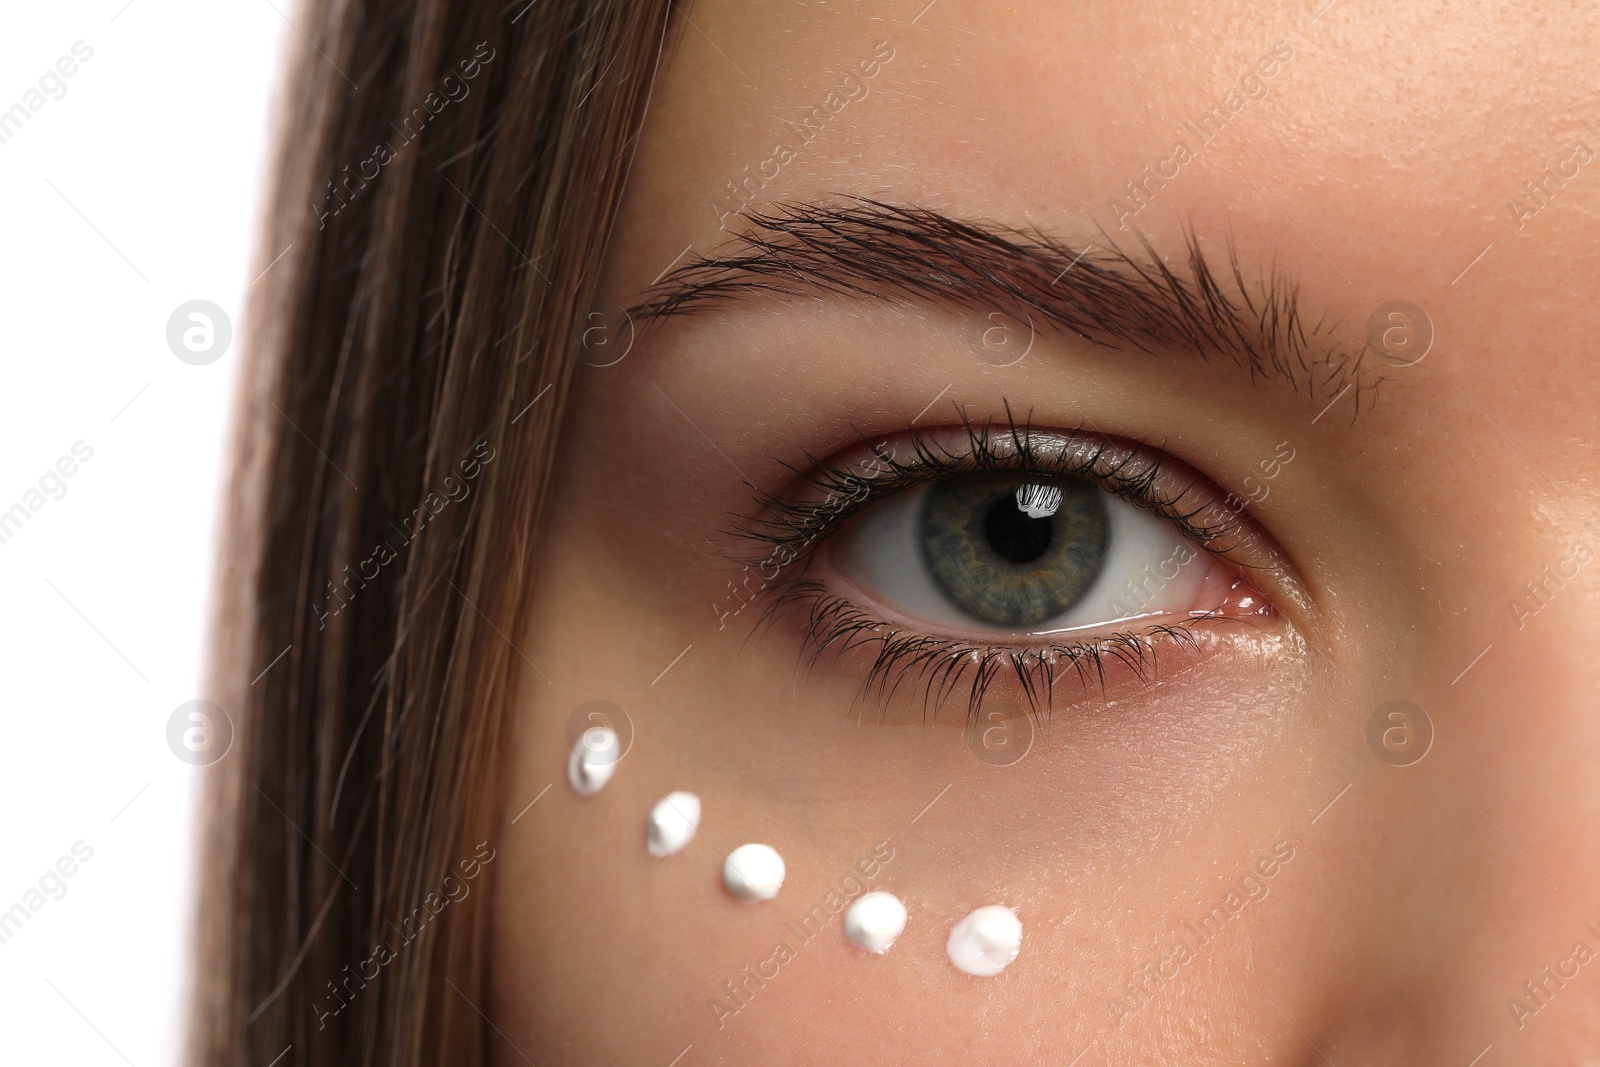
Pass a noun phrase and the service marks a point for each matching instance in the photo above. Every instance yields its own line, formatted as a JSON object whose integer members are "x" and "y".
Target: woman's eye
{"x": 1005, "y": 554}
{"x": 1009, "y": 553}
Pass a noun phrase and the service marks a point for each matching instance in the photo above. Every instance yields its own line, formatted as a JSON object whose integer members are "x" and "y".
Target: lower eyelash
{"x": 791, "y": 529}
{"x": 836, "y": 626}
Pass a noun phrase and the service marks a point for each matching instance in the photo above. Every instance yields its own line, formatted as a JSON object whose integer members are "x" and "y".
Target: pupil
{"x": 1014, "y": 536}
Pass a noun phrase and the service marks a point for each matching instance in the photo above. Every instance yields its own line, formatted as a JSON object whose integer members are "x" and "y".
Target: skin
{"x": 1419, "y": 899}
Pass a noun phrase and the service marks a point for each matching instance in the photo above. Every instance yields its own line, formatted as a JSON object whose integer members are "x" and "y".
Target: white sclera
{"x": 672, "y": 824}
{"x": 874, "y": 921}
{"x": 753, "y": 872}
{"x": 593, "y": 760}
{"x": 985, "y": 942}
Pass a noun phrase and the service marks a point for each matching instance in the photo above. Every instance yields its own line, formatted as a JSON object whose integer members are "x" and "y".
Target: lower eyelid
{"x": 904, "y": 671}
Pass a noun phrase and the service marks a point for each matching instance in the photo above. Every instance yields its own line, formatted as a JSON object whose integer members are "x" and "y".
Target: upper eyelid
{"x": 792, "y": 527}
{"x": 841, "y": 492}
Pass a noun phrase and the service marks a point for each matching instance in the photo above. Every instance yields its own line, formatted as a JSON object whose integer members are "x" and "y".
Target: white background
{"x": 161, "y": 143}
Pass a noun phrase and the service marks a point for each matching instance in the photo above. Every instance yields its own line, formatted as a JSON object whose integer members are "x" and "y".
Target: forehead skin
{"x": 1387, "y": 158}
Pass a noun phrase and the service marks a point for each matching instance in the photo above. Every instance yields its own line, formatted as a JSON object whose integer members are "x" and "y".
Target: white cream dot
{"x": 593, "y": 760}
{"x": 672, "y": 823}
{"x": 985, "y": 942}
{"x": 874, "y": 921}
{"x": 753, "y": 872}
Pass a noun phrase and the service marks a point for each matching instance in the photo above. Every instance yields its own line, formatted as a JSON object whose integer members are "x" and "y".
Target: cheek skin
{"x": 1077, "y": 835}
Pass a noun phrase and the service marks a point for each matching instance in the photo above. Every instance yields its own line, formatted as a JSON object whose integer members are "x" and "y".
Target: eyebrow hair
{"x": 857, "y": 247}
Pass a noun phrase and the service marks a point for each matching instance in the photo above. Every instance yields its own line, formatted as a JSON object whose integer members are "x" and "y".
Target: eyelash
{"x": 788, "y": 531}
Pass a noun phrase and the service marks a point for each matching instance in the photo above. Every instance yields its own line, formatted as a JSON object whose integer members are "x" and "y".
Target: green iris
{"x": 1006, "y": 557}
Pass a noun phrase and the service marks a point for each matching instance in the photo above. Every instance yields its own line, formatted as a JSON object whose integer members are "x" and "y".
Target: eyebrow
{"x": 857, "y": 247}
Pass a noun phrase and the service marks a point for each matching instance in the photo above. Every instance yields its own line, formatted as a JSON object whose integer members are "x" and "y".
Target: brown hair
{"x": 444, "y": 227}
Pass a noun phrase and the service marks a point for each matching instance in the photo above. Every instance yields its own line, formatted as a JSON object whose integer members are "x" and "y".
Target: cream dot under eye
{"x": 874, "y": 921}
{"x": 672, "y": 823}
{"x": 753, "y": 873}
{"x": 593, "y": 760}
{"x": 986, "y": 941}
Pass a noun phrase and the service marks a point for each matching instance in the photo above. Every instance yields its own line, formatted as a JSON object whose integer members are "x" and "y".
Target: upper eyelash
{"x": 792, "y": 528}
{"x": 798, "y": 525}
